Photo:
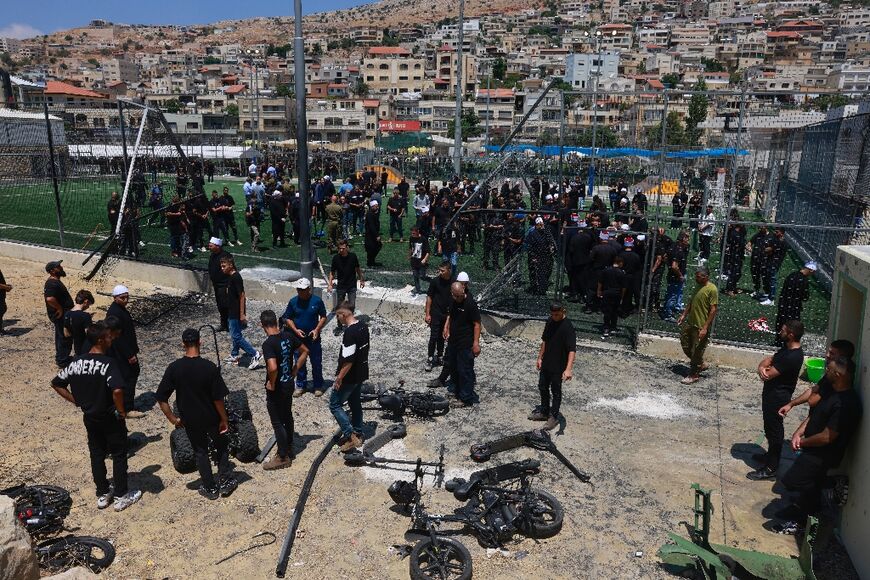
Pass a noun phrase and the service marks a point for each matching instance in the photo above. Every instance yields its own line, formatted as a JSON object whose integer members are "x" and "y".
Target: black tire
{"x": 248, "y": 445}
{"x": 543, "y": 514}
{"x": 429, "y": 405}
{"x": 64, "y": 553}
{"x": 183, "y": 457}
{"x": 447, "y": 559}
{"x": 237, "y": 401}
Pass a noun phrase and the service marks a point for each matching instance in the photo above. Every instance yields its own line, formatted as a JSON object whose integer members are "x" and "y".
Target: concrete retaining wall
{"x": 716, "y": 354}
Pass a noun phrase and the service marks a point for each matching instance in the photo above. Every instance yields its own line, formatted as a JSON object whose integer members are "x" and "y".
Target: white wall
{"x": 850, "y": 319}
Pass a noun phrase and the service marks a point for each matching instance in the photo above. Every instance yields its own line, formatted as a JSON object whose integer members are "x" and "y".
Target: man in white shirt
{"x": 707, "y": 229}
{"x": 252, "y": 169}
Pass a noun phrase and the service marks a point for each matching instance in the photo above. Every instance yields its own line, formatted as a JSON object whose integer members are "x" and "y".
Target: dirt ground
{"x": 642, "y": 436}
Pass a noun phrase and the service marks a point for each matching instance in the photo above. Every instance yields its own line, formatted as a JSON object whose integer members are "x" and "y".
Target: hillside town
{"x": 795, "y": 63}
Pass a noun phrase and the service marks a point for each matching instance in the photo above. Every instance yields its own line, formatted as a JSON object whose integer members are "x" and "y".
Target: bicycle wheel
{"x": 443, "y": 559}
{"x": 541, "y": 515}
{"x": 70, "y": 551}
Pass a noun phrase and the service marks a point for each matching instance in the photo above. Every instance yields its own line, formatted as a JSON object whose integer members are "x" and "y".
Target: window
{"x": 384, "y": 79}
{"x": 384, "y": 66}
{"x": 403, "y": 66}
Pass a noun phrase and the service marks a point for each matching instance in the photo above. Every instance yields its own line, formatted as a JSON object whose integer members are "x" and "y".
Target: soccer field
{"x": 27, "y": 214}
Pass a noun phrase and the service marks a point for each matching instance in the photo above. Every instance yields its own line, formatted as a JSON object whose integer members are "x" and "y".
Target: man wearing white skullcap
{"x": 372, "y": 241}
{"x": 125, "y": 347}
{"x": 795, "y": 291}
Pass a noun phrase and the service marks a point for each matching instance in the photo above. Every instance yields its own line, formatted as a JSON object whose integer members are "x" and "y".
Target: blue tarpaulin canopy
{"x": 553, "y": 150}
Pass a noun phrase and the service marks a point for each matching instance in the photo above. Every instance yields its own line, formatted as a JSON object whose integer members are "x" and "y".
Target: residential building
{"x": 336, "y": 121}
{"x": 120, "y": 69}
{"x": 445, "y": 63}
{"x": 269, "y": 116}
{"x": 392, "y": 70}
{"x": 499, "y": 105}
{"x": 581, "y": 68}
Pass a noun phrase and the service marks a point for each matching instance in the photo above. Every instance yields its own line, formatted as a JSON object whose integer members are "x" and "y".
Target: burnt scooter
{"x": 500, "y": 503}
{"x": 397, "y": 401}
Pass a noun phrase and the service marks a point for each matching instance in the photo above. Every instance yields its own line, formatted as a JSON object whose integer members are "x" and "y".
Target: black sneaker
{"x": 787, "y": 528}
{"x": 228, "y": 486}
{"x": 760, "y": 457}
{"x": 790, "y": 512}
{"x": 209, "y": 492}
{"x": 763, "y": 474}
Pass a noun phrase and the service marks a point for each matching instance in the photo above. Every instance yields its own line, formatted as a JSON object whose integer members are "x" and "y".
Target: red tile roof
{"x": 655, "y": 84}
{"x": 235, "y": 89}
{"x": 387, "y": 50}
{"x": 61, "y": 88}
{"x": 782, "y": 34}
{"x": 496, "y": 93}
{"x": 371, "y": 103}
{"x": 446, "y": 48}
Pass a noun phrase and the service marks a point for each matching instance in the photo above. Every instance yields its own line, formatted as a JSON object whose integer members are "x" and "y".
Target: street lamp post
{"x": 306, "y": 252}
{"x": 457, "y": 130}
{"x": 253, "y": 53}
{"x": 488, "y": 96}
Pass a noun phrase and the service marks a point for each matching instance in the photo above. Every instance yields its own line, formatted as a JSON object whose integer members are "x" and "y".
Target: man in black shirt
{"x": 579, "y": 259}
{"x": 353, "y": 369}
{"x": 343, "y": 274}
{"x": 4, "y": 288}
{"x": 780, "y": 374}
{"x": 219, "y": 280}
{"x": 372, "y": 241}
{"x": 775, "y": 250}
{"x": 418, "y": 254}
{"x": 278, "y": 351}
{"x": 57, "y": 302}
{"x": 237, "y": 315}
{"x": 199, "y": 392}
{"x": 633, "y": 267}
{"x": 113, "y": 210}
{"x": 278, "y": 210}
{"x": 812, "y": 396}
{"x": 437, "y": 304}
{"x": 555, "y": 364}
{"x": 462, "y": 333}
{"x": 229, "y": 216}
{"x": 756, "y": 260}
{"x": 93, "y": 382}
{"x": 125, "y": 348}
{"x": 676, "y": 278}
{"x": 601, "y": 256}
{"x": 822, "y": 439}
{"x": 611, "y": 292}
{"x": 77, "y": 321}
{"x": 795, "y": 291}
{"x": 396, "y": 207}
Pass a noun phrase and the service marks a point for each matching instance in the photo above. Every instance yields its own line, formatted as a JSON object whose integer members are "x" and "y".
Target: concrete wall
{"x": 850, "y": 319}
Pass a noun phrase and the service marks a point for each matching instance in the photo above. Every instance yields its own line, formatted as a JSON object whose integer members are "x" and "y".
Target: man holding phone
{"x": 305, "y": 317}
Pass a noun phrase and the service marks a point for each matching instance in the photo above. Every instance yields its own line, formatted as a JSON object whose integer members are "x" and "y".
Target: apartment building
{"x": 445, "y": 70}
{"x": 120, "y": 69}
{"x": 269, "y": 116}
{"x": 581, "y": 68}
{"x": 391, "y": 70}
{"x": 850, "y": 76}
{"x": 336, "y": 121}
{"x": 499, "y": 105}
{"x": 436, "y": 114}
{"x": 854, "y": 17}
{"x": 616, "y": 37}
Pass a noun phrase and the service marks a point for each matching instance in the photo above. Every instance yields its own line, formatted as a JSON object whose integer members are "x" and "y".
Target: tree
{"x": 712, "y": 65}
{"x": 676, "y": 134}
{"x": 824, "y": 103}
{"x": 735, "y": 78}
{"x": 360, "y": 89}
{"x": 604, "y": 137}
{"x": 211, "y": 60}
{"x": 697, "y": 113}
{"x": 283, "y": 90}
{"x": 68, "y": 38}
{"x": 232, "y": 110}
{"x": 470, "y": 125}
{"x": 172, "y": 106}
{"x": 499, "y": 68}
{"x": 93, "y": 61}
{"x": 671, "y": 80}
{"x": 389, "y": 38}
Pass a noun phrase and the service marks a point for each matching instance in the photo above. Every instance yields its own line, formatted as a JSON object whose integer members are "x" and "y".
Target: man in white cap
{"x": 305, "y": 317}
{"x": 218, "y": 279}
{"x": 465, "y": 280}
{"x": 795, "y": 291}
{"x": 542, "y": 250}
{"x": 372, "y": 241}
{"x": 125, "y": 347}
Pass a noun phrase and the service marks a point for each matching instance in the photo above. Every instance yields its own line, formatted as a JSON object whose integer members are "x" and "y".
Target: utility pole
{"x": 306, "y": 263}
{"x": 457, "y": 132}
{"x": 597, "y": 54}
{"x": 488, "y": 95}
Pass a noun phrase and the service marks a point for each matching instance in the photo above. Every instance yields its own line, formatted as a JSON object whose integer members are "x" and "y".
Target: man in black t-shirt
{"x": 676, "y": 278}
{"x": 343, "y": 275}
{"x": 57, "y": 302}
{"x": 77, "y": 321}
{"x": 822, "y": 439}
{"x": 278, "y": 352}
{"x": 237, "y": 315}
{"x": 437, "y": 304}
{"x": 462, "y": 333}
{"x": 418, "y": 254}
{"x": 125, "y": 347}
{"x": 93, "y": 382}
{"x": 611, "y": 291}
{"x": 812, "y": 396}
{"x": 780, "y": 374}
{"x": 219, "y": 280}
{"x": 353, "y": 369}
{"x": 555, "y": 364}
{"x": 199, "y": 392}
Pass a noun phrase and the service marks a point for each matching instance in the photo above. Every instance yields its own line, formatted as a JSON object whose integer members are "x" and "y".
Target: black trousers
{"x": 610, "y": 307}
{"x": 130, "y": 374}
{"x": 805, "y": 478}
{"x": 279, "y": 404}
{"x": 220, "y": 297}
{"x": 577, "y": 276}
{"x": 550, "y": 383}
{"x": 199, "y": 438}
{"x": 436, "y": 337}
{"x": 774, "y": 432}
{"x": 107, "y": 436}
{"x": 705, "y": 247}
{"x": 277, "y": 231}
{"x": 62, "y": 344}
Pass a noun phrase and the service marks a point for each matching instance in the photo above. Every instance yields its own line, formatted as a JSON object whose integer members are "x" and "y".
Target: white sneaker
{"x": 141, "y": 244}
{"x": 767, "y": 302}
{"x": 256, "y": 362}
{"x": 203, "y": 250}
{"x": 104, "y": 500}
{"x": 128, "y": 499}
{"x": 231, "y": 360}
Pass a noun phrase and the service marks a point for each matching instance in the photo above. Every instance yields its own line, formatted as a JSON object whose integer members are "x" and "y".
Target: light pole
{"x": 255, "y": 99}
{"x": 457, "y": 130}
{"x": 488, "y": 95}
{"x": 306, "y": 256}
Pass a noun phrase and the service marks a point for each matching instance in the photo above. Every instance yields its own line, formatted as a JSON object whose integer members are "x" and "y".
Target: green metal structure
{"x": 718, "y": 562}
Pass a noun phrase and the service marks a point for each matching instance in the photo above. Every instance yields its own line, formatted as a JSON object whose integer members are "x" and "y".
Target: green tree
{"x": 93, "y": 61}
{"x": 172, "y": 106}
{"x": 604, "y": 137}
{"x": 360, "y": 88}
{"x": 735, "y": 78}
{"x": 499, "y": 68}
{"x": 676, "y": 134}
{"x": 698, "y": 105}
{"x": 712, "y": 65}
{"x": 283, "y": 90}
{"x": 824, "y": 103}
{"x": 211, "y": 60}
{"x": 671, "y": 80}
{"x": 470, "y": 125}
{"x": 347, "y": 43}
{"x": 232, "y": 110}
{"x": 390, "y": 39}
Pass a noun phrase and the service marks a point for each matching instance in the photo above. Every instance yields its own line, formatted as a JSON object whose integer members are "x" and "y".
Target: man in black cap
{"x": 199, "y": 392}
{"x": 219, "y": 280}
{"x": 57, "y": 302}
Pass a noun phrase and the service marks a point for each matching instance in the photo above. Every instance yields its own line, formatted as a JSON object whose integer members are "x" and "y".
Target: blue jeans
{"x": 673, "y": 299}
{"x": 347, "y": 394}
{"x": 453, "y": 258}
{"x": 239, "y": 341}
{"x": 315, "y": 356}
